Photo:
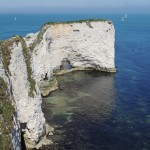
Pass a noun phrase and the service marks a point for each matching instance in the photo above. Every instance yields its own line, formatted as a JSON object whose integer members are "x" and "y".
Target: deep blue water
{"x": 25, "y": 24}
{"x": 131, "y": 82}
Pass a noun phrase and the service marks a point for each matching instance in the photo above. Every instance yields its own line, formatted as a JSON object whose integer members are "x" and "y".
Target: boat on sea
{"x": 123, "y": 19}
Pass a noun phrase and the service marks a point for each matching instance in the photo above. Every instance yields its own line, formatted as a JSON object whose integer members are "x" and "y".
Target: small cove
{"x": 87, "y": 114}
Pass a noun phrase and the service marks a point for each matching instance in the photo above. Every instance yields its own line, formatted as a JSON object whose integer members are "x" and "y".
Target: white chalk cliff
{"x": 83, "y": 44}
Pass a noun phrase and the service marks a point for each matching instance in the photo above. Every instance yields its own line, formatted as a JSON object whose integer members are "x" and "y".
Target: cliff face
{"x": 82, "y": 44}
{"x": 15, "y": 70}
{"x": 8, "y": 121}
{"x": 58, "y": 46}
{"x": 28, "y": 102}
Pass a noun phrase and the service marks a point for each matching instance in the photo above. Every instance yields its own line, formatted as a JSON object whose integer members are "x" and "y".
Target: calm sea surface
{"x": 99, "y": 111}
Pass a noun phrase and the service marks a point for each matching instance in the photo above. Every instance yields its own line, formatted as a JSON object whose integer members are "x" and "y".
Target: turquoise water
{"x": 124, "y": 99}
{"x": 79, "y": 111}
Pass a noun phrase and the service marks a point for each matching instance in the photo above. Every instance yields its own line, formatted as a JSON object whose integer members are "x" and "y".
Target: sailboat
{"x": 15, "y": 18}
{"x": 123, "y": 19}
{"x": 125, "y": 16}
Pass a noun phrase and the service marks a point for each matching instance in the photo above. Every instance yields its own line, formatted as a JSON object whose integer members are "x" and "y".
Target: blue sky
{"x": 42, "y": 6}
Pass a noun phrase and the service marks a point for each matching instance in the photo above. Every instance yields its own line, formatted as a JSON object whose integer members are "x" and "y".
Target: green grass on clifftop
{"x": 6, "y": 117}
{"x": 77, "y": 21}
{"x": 39, "y": 38}
{"x": 5, "y": 51}
{"x": 27, "y": 57}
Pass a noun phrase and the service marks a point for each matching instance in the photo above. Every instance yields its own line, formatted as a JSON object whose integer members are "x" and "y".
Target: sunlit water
{"x": 99, "y": 111}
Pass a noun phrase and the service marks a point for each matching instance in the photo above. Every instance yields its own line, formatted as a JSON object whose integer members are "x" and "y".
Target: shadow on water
{"x": 87, "y": 115}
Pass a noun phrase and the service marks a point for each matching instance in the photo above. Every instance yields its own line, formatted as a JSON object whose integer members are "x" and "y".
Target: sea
{"x": 93, "y": 110}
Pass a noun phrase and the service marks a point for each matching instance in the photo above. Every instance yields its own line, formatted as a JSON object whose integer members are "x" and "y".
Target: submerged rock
{"x": 48, "y": 86}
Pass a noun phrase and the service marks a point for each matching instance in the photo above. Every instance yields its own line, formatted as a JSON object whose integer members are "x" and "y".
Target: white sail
{"x": 123, "y": 19}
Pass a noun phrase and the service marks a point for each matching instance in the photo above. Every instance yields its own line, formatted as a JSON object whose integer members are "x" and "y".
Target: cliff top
{"x": 79, "y": 21}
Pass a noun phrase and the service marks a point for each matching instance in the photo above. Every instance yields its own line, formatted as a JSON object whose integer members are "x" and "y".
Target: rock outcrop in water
{"x": 24, "y": 62}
